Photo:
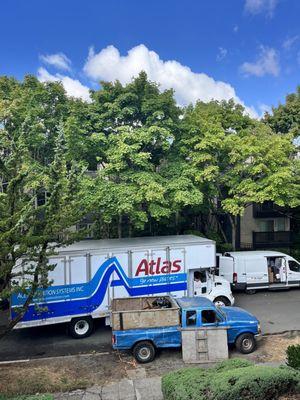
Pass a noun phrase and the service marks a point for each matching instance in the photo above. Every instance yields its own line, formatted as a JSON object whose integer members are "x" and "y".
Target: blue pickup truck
{"x": 157, "y": 323}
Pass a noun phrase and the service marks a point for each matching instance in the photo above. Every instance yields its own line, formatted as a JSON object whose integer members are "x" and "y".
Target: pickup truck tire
{"x": 245, "y": 343}
{"x": 81, "y": 327}
{"x": 222, "y": 301}
{"x": 144, "y": 352}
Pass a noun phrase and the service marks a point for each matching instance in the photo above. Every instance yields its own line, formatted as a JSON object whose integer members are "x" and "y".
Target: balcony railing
{"x": 272, "y": 239}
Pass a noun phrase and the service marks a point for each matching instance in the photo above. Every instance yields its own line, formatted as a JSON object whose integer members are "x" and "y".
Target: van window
{"x": 208, "y": 317}
{"x": 191, "y": 318}
{"x": 294, "y": 266}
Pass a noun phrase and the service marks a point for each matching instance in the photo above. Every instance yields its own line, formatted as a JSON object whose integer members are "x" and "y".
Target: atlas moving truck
{"x": 89, "y": 274}
{"x": 254, "y": 270}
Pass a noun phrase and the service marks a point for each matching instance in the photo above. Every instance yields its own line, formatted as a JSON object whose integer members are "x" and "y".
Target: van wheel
{"x": 245, "y": 343}
{"x": 221, "y": 301}
{"x": 81, "y": 327}
{"x": 144, "y": 352}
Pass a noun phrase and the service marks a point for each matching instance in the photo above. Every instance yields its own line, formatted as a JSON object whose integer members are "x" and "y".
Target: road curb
{"x": 53, "y": 358}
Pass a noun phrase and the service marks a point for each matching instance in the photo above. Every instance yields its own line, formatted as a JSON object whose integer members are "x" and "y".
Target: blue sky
{"x": 246, "y": 49}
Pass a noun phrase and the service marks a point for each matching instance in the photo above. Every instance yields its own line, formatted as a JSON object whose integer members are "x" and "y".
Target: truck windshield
{"x": 221, "y": 312}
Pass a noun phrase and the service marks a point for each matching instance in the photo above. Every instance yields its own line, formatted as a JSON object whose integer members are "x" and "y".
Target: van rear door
{"x": 226, "y": 268}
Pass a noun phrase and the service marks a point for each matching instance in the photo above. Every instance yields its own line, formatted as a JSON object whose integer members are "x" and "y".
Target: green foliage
{"x": 286, "y": 117}
{"x": 293, "y": 356}
{"x": 232, "y": 379}
{"x": 31, "y": 229}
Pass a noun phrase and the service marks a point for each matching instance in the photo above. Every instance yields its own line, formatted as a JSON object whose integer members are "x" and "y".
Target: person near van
{"x": 197, "y": 284}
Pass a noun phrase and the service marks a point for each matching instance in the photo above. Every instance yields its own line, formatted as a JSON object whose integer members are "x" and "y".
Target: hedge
{"x": 293, "y": 356}
{"x": 231, "y": 380}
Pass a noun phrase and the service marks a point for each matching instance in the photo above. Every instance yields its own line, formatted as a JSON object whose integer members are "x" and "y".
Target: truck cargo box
{"x": 139, "y": 312}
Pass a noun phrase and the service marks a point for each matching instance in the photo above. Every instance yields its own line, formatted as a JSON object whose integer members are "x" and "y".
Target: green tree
{"x": 235, "y": 165}
{"x": 286, "y": 117}
{"x": 31, "y": 229}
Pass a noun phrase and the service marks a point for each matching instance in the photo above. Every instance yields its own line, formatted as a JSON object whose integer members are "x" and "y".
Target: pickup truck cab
{"x": 243, "y": 329}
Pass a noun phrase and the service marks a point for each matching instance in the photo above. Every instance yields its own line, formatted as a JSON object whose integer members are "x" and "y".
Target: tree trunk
{"x": 120, "y": 227}
{"x": 129, "y": 228}
{"x": 177, "y": 222}
{"x": 233, "y": 222}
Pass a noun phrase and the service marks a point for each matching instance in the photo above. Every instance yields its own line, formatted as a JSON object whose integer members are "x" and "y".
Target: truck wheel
{"x": 222, "y": 301}
{"x": 81, "y": 327}
{"x": 144, "y": 352}
{"x": 245, "y": 343}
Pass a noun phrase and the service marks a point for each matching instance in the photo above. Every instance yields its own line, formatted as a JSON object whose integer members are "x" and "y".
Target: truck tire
{"x": 81, "y": 327}
{"x": 222, "y": 301}
{"x": 144, "y": 352}
{"x": 245, "y": 343}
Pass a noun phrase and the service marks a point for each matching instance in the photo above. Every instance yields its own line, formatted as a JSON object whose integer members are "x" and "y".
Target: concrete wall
{"x": 203, "y": 345}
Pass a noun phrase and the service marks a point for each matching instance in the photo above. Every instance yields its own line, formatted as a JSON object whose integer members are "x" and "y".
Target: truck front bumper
{"x": 258, "y": 337}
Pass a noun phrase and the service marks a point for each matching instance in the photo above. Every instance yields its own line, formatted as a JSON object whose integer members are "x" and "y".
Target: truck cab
{"x": 243, "y": 329}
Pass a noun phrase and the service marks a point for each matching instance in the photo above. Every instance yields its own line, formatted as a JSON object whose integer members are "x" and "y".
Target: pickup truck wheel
{"x": 81, "y": 327}
{"x": 245, "y": 343}
{"x": 144, "y": 352}
{"x": 222, "y": 301}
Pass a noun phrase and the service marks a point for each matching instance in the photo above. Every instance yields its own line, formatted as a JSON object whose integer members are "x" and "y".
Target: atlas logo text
{"x": 157, "y": 267}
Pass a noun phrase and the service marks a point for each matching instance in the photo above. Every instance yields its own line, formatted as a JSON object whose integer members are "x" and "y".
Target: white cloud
{"x": 267, "y": 63}
{"x": 189, "y": 86}
{"x": 73, "y": 87}
{"x": 289, "y": 42}
{"x": 261, "y": 6}
{"x": 58, "y": 60}
{"x": 222, "y": 53}
{"x": 263, "y": 108}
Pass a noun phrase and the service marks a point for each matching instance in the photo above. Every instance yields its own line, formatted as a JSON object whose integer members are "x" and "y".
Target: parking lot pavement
{"x": 52, "y": 341}
{"x": 278, "y": 312}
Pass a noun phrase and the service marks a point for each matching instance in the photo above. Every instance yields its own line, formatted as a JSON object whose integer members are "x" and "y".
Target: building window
{"x": 266, "y": 225}
{"x": 279, "y": 224}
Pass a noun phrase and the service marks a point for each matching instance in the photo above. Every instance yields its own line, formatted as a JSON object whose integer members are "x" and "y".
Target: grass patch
{"x": 18, "y": 381}
{"x": 233, "y": 379}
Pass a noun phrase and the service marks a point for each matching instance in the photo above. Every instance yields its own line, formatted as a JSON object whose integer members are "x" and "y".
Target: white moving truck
{"x": 89, "y": 274}
{"x": 253, "y": 270}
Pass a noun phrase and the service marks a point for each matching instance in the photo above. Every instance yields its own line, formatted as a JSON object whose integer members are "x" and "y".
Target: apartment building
{"x": 264, "y": 226}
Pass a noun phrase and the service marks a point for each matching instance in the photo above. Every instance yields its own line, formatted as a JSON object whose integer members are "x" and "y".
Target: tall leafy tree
{"x": 235, "y": 164}
{"x": 41, "y": 193}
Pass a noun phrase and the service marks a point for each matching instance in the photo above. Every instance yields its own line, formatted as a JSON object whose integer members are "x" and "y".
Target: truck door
{"x": 197, "y": 282}
{"x": 226, "y": 268}
{"x": 293, "y": 272}
{"x": 257, "y": 272}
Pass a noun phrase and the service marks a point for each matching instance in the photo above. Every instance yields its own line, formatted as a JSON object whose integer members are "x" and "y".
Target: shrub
{"x": 293, "y": 356}
{"x": 233, "y": 379}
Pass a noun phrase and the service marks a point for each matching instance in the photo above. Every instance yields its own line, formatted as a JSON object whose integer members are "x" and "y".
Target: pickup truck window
{"x": 191, "y": 318}
{"x": 208, "y": 317}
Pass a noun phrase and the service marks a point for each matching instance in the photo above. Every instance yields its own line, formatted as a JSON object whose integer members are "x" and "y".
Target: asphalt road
{"x": 278, "y": 312}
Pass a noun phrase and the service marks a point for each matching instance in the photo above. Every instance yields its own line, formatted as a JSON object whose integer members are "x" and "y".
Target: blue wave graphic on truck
{"x": 79, "y": 299}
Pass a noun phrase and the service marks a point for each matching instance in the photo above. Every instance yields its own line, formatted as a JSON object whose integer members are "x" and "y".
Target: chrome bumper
{"x": 258, "y": 337}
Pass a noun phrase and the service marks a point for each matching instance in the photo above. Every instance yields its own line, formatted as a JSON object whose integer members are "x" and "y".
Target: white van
{"x": 253, "y": 270}
{"x": 89, "y": 274}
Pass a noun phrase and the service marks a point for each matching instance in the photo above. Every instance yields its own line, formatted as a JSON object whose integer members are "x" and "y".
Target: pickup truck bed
{"x": 141, "y": 313}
